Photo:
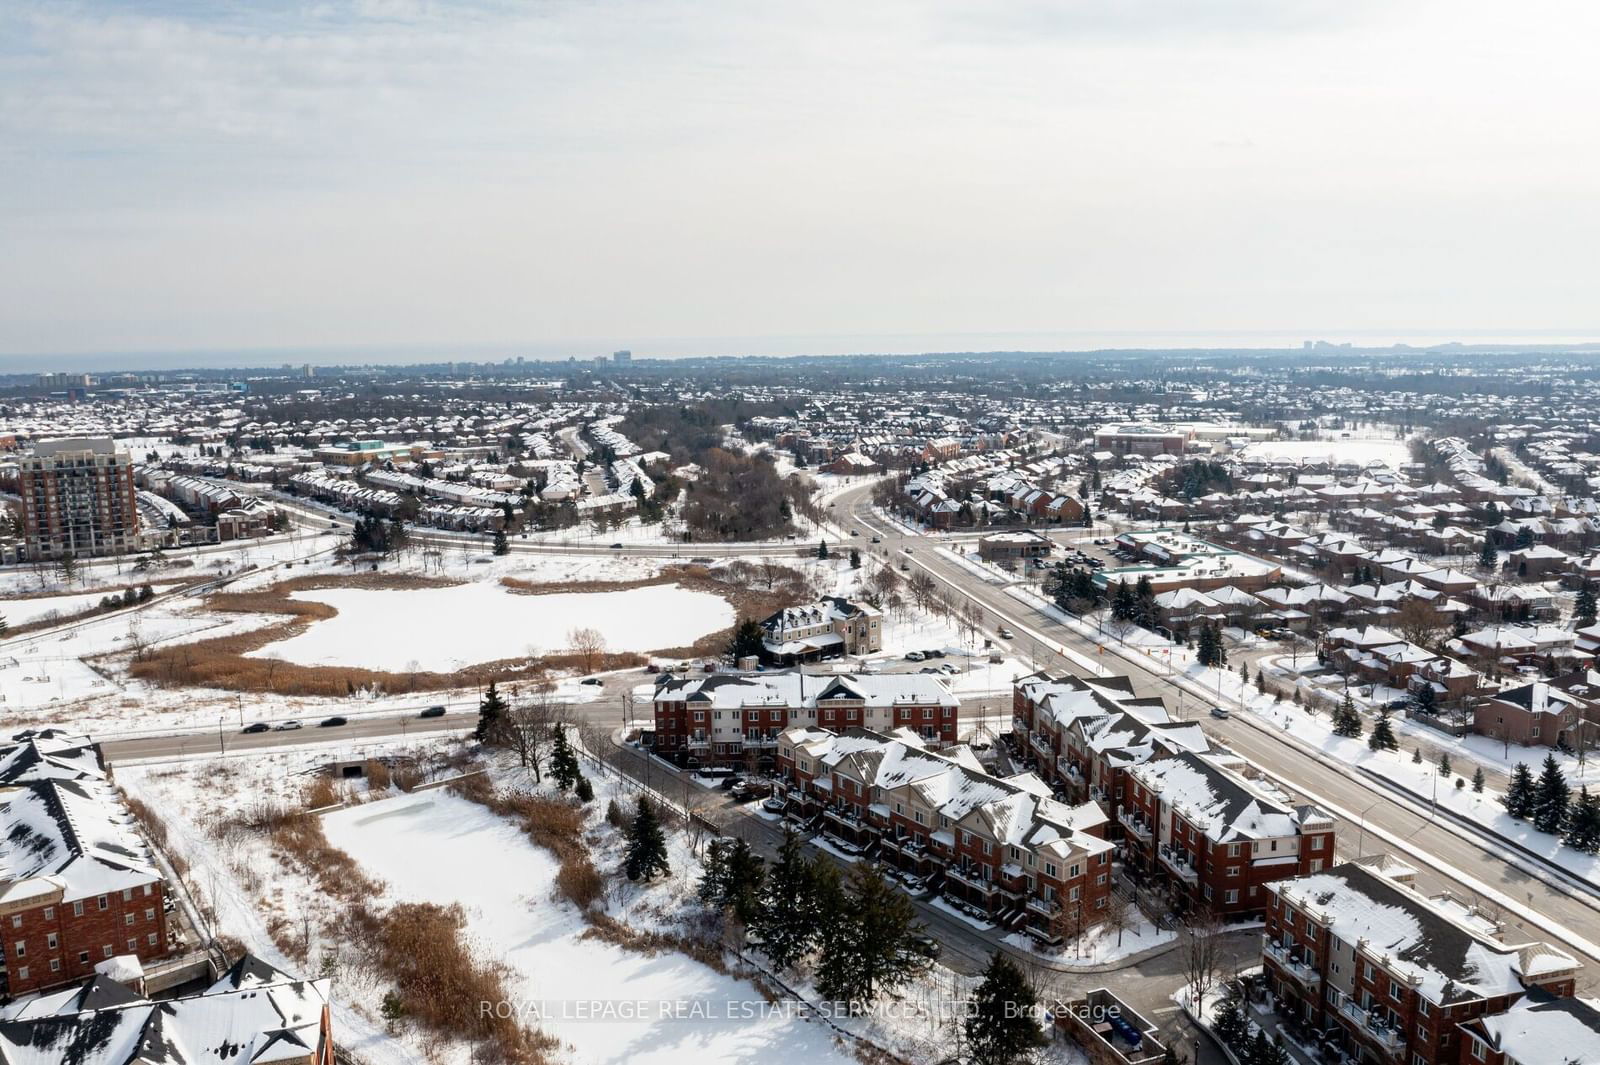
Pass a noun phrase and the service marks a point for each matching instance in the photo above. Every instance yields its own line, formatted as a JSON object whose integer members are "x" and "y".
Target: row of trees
{"x": 1548, "y": 803}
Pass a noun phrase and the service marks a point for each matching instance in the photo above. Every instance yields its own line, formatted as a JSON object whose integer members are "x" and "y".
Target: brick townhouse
{"x": 77, "y": 883}
{"x": 1003, "y": 847}
{"x": 1083, "y": 734}
{"x": 1214, "y": 838}
{"x": 733, "y": 719}
{"x": 253, "y": 1013}
{"x": 1389, "y": 975}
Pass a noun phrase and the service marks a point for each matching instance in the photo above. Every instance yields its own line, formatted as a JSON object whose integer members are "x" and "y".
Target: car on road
{"x": 432, "y": 711}
{"x": 1220, "y": 712}
{"x": 333, "y": 722}
{"x": 256, "y": 726}
{"x": 877, "y": 540}
{"x": 596, "y": 681}
{"x": 616, "y": 547}
{"x": 908, "y": 550}
{"x": 701, "y": 560}
{"x": 915, "y": 656}
{"x": 286, "y": 726}
{"x": 1005, "y": 633}
{"x": 924, "y": 945}
{"x": 730, "y": 782}
{"x": 852, "y": 531}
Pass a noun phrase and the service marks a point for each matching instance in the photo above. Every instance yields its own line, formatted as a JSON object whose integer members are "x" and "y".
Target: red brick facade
{"x": 49, "y": 942}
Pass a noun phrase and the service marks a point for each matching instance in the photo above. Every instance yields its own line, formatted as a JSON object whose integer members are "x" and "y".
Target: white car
{"x": 287, "y": 726}
{"x": 915, "y": 656}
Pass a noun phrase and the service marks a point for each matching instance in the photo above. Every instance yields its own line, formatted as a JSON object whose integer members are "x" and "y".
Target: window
{"x": 77, "y": 908}
{"x": 107, "y": 950}
{"x": 1072, "y": 894}
{"x": 1423, "y": 1008}
{"x": 988, "y": 848}
{"x": 1233, "y": 896}
{"x": 966, "y": 837}
{"x": 22, "y": 973}
{"x": 1233, "y": 870}
{"x": 127, "y": 894}
{"x": 49, "y": 913}
{"x": 1073, "y": 871}
{"x": 55, "y": 965}
{"x": 21, "y": 949}
{"x": 127, "y": 918}
{"x": 16, "y": 921}
{"x": 927, "y": 713}
{"x": 83, "y": 957}
{"x": 151, "y": 938}
{"x": 1394, "y": 992}
{"x": 1050, "y": 869}
{"x": 50, "y": 941}
{"x": 104, "y": 902}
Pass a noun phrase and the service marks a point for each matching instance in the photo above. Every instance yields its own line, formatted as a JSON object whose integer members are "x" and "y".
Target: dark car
{"x": 333, "y": 722}
{"x": 432, "y": 711}
{"x": 616, "y": 547}
{"x": 596, "y": 681}
{"x": 730, "y": 782}
{"x": 924, "y": 945}
{"x": 257, "y": 726}
{"x": 877, "y": 540}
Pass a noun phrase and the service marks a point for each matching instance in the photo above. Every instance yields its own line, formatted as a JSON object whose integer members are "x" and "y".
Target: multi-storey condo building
{"x": 734, "y": 718}
{"x": 1083, "y": 734}
{"x": 1003, "y": 846}
{"x": 1215, "y": 838}
{"x": 77, "y": 499}
{"x": 1392, "y": 976}
{"x": 77, "y": 883}
{"x": 253, "y": 1014}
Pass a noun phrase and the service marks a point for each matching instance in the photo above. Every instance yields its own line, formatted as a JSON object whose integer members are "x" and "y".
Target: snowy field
{"x": 1387, "y": 450}
{"x": 689, "y": 1012}
{"x": 444, "y": 629}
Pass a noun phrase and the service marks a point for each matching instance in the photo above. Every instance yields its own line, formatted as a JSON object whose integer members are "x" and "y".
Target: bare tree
{"x": 527, "y": 726}
{"x": 1200, "y": 955}
{"x": 972, "y": 621}
{"x": 1120, "y": 916}
{"x": 922, "y": 589}
{"x": 589, "y": 645}
{"x": 1419, "y": 622}
{"x": 771, "y": 570}
{"x": 1068, "y": 923}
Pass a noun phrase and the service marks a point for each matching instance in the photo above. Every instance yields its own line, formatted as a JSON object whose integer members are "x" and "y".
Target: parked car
{"x": 333, "y": 722}
{"x": 1220, "y": 712}
{"x": 730, "y": 782}
{"x": 925, "y": 945}
{"x": 701, "y": 560}
{"x": 596, "y": 681}
{"x": 286, "y": 726}
{"x": 257, "y": 726}
{"x": 616, "y": 547}
{"x": 432, "y": 711}
{"x": 877, "y": 540}
{"x": 915, "y": 656}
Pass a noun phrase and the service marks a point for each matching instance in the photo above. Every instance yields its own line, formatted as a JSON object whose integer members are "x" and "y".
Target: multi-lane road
{"x": 1536, "y": 903}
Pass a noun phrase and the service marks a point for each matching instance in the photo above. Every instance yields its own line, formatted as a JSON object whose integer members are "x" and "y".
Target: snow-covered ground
{"x": 609, "y": 1004}
{"x": 1100, "y": 945}
{"x": 1387, "y": 450}
{"x": 445, "y": 629}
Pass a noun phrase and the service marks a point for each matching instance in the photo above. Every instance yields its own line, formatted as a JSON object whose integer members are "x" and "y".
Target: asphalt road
{"x": 1451, "y": 860}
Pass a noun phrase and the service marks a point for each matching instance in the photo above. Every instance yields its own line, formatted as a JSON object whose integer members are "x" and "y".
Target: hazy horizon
{"x": 908, "y": 345}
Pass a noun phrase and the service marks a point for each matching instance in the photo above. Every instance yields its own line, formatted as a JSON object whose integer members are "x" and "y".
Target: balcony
{"x": 1069, "y": 770}
{"x": 1041, "y": 746}
{"x": 1286, "y": 960}
{"x": 971, "y": 878}
{"x": 1178, "y": 861}
{"x": 845, "y": 815}
{"x": 1043, "y": 907}
{"x": 1135, "y": 825}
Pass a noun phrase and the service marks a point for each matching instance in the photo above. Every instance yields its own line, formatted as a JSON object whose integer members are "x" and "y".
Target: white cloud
{"x": 394, "y": 171}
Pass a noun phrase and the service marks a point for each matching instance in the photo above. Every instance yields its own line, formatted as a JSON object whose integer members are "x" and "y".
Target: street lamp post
{"x": 1361, "y": 837}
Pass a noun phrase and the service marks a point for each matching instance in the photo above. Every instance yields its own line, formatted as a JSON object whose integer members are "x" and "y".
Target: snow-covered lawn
{"x": 609, "y": 1004}
{"x": 1387, "y": 450}
{"x": 1100, "y": 945}
{"x": 445, "y": 629}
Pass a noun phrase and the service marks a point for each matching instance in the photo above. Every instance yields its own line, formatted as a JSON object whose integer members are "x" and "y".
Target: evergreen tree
{"x": 501, "y": 545}
{"x": 1228, "y": 1022}
{"x": 714, "y": 872}
{"x": 1552, "y": 796}
{"x": 1444, "y": 765}
{"x": 584, "y": 790}
{"x": 1583, "y": 826}
{"x": 1244, "y": 673}
{"x": 1488, "y": 557}
{"x": 822, "y": 549}
{"x": 1425, "y": 698}
{"x": 5, "y": 626}
{"x": 1477, "y": 780}
{"x": 1123, "y": 602}
{"x": 647, "y": 846}
{"x": 1583, "y": 610}
{"x": 788, "y": 922}
{"x": 1416, "y": 756}
{"x": 1382, "y": 738}
{"x": 855, "y": 558}
{"x": 745, "y": 876}
{"x": 1144, "y": 602}
{"x": 1520, "y": 793}
{"x": 747, "y": 638}
{"x": 491, "y": 717}
{"x": 1346, "y": 722}
{"x": 1000, "y": 1026}
{"x": 867, "y": 944}
{"x": 563, "y": 761}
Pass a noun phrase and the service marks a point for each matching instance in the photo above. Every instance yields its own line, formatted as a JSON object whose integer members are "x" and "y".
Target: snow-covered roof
{"x": 734, "y": 691}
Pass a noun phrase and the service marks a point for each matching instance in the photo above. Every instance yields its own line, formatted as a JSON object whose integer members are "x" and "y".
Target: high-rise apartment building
{"x": 78, "y": 499}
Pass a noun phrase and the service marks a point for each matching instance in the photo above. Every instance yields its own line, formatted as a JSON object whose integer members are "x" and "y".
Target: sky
{"x": 723, "y": 176}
